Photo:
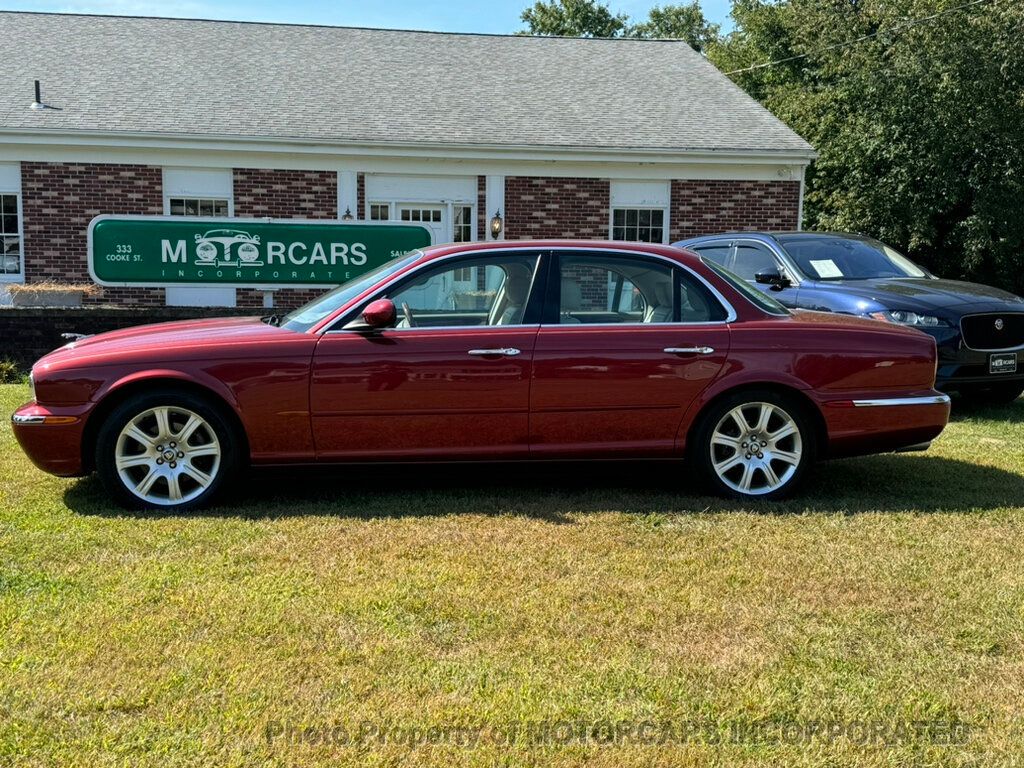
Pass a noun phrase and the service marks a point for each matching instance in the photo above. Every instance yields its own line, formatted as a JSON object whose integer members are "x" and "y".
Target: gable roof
{"x": 344, "y": 85}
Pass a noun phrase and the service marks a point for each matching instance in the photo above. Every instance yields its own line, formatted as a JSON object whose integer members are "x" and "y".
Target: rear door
{"x": 626, "y": 343}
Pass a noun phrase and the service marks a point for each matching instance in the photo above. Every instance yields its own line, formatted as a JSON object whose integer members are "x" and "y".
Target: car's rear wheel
{"x": 756, "y": 444}
{"x": 165, "y": 450}
{"x": 996, "y": 394}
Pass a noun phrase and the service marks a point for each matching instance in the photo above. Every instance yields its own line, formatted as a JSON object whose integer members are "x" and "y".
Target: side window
{"x": 717, "y": 252}
{"x": 470, "y": 292}
{"x": 697, "y": 304}
{"x": 614, "y": 289}
{"x": 752, "y": 258}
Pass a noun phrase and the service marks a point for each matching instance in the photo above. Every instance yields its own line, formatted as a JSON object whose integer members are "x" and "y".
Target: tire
{"x": 997, "y": 394}
{"x": 721, "y": 448}
{"x": 143, "y": 465}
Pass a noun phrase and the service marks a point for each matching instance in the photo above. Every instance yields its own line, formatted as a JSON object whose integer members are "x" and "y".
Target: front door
{"x": 627, "y": 346}
{"x": 450, "y": 380}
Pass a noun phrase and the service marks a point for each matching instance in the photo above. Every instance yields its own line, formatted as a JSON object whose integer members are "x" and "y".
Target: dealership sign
{"x": 259, "y": 253}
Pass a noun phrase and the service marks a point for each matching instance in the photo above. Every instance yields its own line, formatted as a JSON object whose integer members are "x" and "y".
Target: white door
{"x": 433, "y": 217}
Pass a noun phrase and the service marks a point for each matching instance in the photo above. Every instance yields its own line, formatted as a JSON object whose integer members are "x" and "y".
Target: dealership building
{"x": 476, "y": 137}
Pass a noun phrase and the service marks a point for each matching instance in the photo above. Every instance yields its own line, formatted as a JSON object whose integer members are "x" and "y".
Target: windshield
{"x": 308, "y": 315}
{"x": 760, "y": 300}
{"x": 848, "y": 258}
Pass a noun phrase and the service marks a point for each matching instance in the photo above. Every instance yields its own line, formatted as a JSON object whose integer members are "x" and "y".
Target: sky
{"x": 496, "y": 16}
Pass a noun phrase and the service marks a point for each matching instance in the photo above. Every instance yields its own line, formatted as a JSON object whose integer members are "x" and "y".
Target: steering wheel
{"x": 407, "y": 314}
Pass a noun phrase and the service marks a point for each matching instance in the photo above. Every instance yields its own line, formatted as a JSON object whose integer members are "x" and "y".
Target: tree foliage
{"x": 591, "y": 18}
{"x": 574, "y": 18}
{"x": 919, "y": 130}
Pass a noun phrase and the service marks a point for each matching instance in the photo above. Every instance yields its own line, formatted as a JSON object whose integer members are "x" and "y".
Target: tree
{"x": 590, "y": 18}
{"x": 919, "y": 127}
{"x": 678, "y": 22}
{"x": 573, "y": 18}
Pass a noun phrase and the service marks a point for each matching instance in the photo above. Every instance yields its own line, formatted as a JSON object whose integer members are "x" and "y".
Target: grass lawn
{"x": 335, "y": 617}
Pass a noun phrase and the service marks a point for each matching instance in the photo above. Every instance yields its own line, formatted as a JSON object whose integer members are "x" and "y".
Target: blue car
{"x": 979, "y": 330}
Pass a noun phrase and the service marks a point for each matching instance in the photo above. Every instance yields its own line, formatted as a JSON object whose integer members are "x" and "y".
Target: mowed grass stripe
{"x": 890, "y": 591}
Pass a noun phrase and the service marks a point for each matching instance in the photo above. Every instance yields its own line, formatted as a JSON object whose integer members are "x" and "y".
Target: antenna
{"x": 38, "y": 103}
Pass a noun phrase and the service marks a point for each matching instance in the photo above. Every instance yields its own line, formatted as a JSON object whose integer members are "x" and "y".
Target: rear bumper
{"x": 880, "y": 423}
{"x": 52, "y": 436}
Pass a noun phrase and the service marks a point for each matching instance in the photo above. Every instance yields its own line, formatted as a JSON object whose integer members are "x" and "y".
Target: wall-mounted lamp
{"x": 496, "y": 224}
{"x": 347, "y": 216}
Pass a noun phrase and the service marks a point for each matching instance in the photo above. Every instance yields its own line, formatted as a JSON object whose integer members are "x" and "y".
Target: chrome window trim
{"x": 888, "y": 401}
{"x": 960, "y": 327}
{"x": 730, "y": 310}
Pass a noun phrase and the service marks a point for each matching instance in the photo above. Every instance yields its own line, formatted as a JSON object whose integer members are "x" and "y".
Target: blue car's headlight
{"x": 906, "y": 317}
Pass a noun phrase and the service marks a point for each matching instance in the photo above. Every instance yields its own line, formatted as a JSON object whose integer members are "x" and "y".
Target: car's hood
{"x": 225, "y": 337}
{"x": 925, "y": 293}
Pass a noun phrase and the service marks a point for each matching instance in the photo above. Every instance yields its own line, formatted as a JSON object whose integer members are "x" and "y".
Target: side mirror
{"x": 378, "y": 314}
{"x": 774, "y": 278}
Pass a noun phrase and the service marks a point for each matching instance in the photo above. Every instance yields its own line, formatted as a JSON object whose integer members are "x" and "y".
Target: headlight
{"x": 906, "y": 317}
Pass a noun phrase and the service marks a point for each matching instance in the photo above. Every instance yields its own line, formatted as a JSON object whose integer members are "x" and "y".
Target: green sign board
{"x": 246, "y": 253}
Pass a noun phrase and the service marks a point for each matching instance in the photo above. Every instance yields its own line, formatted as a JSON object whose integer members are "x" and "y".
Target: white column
{"x": 348, "y": 194}
{"x": 494, "y": 194}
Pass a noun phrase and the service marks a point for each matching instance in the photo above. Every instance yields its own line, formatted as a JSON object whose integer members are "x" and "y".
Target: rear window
{"x": 758, "y": 299}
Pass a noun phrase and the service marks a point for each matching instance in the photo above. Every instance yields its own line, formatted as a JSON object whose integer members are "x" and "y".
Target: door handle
{"x": 689, "y": 350}
{"x": 500, "y": 352}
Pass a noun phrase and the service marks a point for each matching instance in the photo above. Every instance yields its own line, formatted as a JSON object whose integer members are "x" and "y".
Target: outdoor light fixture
{"x": 347, "y": 216}
{"x": 496, "y": 224}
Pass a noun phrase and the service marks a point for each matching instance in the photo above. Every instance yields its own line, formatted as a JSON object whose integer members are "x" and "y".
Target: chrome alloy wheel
{"x": 167, "y": 455}
{"x": 756, "y": 448}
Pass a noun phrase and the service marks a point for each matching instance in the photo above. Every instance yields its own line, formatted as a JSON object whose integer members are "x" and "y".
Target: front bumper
{"x": 52, "y": 436}
{"x": 961, "y": 366}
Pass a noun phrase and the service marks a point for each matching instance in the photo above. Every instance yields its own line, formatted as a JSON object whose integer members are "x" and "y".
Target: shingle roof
{"x": 216, "y": 78}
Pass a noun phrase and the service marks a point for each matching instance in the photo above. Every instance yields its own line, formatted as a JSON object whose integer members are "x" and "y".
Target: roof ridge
{"x": 250, "y": 22}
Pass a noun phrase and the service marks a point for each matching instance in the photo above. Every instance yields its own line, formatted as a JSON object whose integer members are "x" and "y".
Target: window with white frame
{"x": 10, "y": 234}
{"x": 198, "y": 206}
{"x": 463, "y": 224}
{"x": 639, "y": 210}
{"x": 380, "y": 211}
{"x": 645, "y": 225}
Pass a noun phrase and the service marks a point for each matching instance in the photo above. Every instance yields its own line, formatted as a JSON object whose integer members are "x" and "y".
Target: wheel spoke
{"x": 146, "y": 484}
{"x": 196, "y": 474}
{"x": 769, "y": 474}
{"x": 748, "y": 477}
{"x": 727, "y": 440}
{"x": 136, "y": 460}
{"x": 786, "y": 457}
{"x": 787, "y": 429}
{"x": 739, "y": 420}
{"x": 136, "y": 434}
{"x": 763, "y": 418}
{"x": 173, "y": 488}
{"x": 726, "y": 464}
{"x": 163, "y": 423}
{"x": 193, "y": 423}
{"x": 210, "y": 449}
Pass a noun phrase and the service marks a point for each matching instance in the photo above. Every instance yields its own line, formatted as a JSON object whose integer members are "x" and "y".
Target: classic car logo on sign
{"x": 245, "y": 254}
{"x": 999, "y": 323}
{"x": 175, "y": 250}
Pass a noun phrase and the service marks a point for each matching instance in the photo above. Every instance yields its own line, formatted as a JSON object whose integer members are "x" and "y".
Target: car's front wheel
{"x": 754, "y": 445}
{"x": 165, "y": 450}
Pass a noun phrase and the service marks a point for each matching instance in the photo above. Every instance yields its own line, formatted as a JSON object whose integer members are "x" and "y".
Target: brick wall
{"x": 482, "y": 215}
{"x": 541, "y": 206}
{"x": 58, "y": 202}
{"x": 706, "y": 207}
{"x": 284, "y": 194}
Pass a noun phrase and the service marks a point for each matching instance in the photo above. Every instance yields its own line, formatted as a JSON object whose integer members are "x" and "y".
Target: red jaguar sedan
{"x": 498, "y": 351}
